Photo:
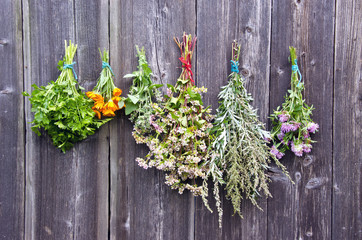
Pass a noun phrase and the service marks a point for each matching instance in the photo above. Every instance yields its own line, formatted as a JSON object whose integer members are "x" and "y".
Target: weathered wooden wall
{"x": 97, "y": 191}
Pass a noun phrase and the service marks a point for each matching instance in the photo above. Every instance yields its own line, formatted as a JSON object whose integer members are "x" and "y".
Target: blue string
{"x": 105, "y": 64}
{"x": 234, "y": 66}
{"x": 295, "y": 69}
{"x": 70, "y": 66}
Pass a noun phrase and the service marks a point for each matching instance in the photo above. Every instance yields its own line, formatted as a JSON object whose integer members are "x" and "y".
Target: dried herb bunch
{"x": 61, "y": 108}
{"x": 180, "y": 138}
{"x": 292, "y": 123}
{"x": 139, "y": 100}
{"x": 242, "y": 154}
{"x": 106, "y": 96}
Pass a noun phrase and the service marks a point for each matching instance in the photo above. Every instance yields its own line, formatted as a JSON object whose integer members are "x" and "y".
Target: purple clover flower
{"x": 286, "y": 127}
{"x": 295, "y": 126}
{"x": 297, "y": 149}
{"x": 312, "y": 127}
{"x": 283, "y": 117}
{"x": 276, "y": 152}
{"x": 307, "y": 148}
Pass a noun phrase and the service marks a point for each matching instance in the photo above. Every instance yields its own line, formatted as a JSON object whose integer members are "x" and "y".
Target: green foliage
{"x": 242, "y": 155}
{"x": 62, "y": 109}
{"x": 139, "y": 100}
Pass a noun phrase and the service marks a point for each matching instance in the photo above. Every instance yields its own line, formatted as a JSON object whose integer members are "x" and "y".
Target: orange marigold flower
{"x": 111, "y": 105}
{"x": 108, "y": 112}
{"x": 116, "y": 100}
{"x": 90, "y": 94}
{"x": 117, "y": 92}
{"x": 98, "y": 114}
{"x": 98, "y": 98}
{"x": 98, "y": 104}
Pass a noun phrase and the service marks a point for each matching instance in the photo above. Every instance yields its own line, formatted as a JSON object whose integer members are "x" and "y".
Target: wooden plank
{"x": 50, "y": 174}
{"x": 347, "y": 152}
{"x": 12, "y": 123}
{"x": 303, "y": 210}
{"x": 142, "y": 207}
{"x": 92, "y": 155}
{"x": 249, "y": 23}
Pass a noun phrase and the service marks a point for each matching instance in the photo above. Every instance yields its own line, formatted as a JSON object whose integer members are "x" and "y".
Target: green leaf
{"x": 25, "y": 94}
{"x": 174, "y": 100}
{"x": 130, "y": 75}
{"x": 156, "y": 86}
{"x": 121, "y": 103}
{"x": 183, "y": 121}
{"x": 146, "y": 69}
{"x": 130, "y": 107}
{"x": 134, "y": 99}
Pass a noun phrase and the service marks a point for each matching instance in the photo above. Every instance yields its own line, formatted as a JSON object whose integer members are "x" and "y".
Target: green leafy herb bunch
{"x": 242, "y": 154}
{"x": 61, "y": 108}
{"x": 180, "y": 130}
{"x": 292, "y": 123}
{"x": 140, "y": 98}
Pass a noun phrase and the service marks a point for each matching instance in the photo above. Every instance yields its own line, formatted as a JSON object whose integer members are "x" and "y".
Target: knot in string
{"x": 234, "y": 66}
{"x": 187, "y": 66}
{"x": 295, "y": 69}
{"x": 70, "y": 66}
{"x": 105, "y": 64}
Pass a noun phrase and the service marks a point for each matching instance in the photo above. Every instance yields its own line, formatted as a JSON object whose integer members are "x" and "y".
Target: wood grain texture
{"x": 347, "y": 151}
{"x": 142, "y": 207}
{"x": 92, "y": 155}
{"x": 11, "y": 122}
{"x": 303, "y": 210}
{"x": 249, "y": 23}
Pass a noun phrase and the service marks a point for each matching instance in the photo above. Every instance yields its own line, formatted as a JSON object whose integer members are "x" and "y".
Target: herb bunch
{"x": 242, "y": 154}
{"x": 61, "y": 108}
{"x": 180, "y": 131}
{"x": 139, "y": 100}
{"x": 106, "y": 96}
{"x": 292, "y": 123}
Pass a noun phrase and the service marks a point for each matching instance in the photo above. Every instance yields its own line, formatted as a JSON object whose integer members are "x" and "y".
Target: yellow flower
{"x": 116, "y": 100}
{"x": 98, "y": 104}
{"x": 117, "y": 92}
{"x": 90, "y": 94}
{"x": 98, "y": 98}
{"x": 111, "y": 105}
{"x": 108, "y": 112}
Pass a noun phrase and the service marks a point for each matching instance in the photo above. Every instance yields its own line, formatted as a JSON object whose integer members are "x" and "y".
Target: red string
{"x": 187, "y": 65}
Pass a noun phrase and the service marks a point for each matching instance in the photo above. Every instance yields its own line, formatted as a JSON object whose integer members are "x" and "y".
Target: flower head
{"x": 98, "y": 114}
{"x": 276, "y": 152}
{"x": 297, "y": 149}
{"x": 117, "y": 92}
{"x": 307, "y": 148}
{"x": 283, "y": 117}
{"x": 295, "y": 126}
{"x": 108, "y": 112}
{"x": 312, "y": 127}
{"x": 286, "y": 127}
{"x": 111, "y": 105}
{"x": 98, "y": 105}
